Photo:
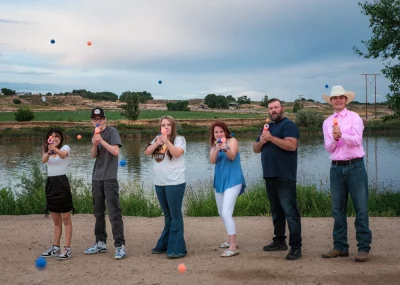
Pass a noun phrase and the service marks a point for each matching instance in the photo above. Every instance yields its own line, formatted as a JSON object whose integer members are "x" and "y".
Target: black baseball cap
{"x": 97, "y": 112}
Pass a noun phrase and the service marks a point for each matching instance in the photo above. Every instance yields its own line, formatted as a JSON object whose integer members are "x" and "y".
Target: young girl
{"x": 58, "y": 192}
{"x": 168, "y": 150}
{"x": 229, "y": 181}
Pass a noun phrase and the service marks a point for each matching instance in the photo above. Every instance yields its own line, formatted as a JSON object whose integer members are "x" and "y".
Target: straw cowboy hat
{"x": 338, "y": 90}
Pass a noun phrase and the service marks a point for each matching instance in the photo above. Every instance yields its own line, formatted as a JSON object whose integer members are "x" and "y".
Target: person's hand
{"x": 218, "y": 147}
{"x": 96, "y": 139}
{"x": 336, "y": 132}
{"x": 266, "y": 135}
{"x": 223, "y": 146}
{"x": 263, "y": 137}
{"x": 51, "y": 149}
{"x": 164, "y": 138}
{"x": 159, "y": 141}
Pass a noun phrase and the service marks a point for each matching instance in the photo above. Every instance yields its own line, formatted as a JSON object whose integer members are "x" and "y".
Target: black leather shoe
{"x": 275, "y": 246}
{"x": 294, "y": 254}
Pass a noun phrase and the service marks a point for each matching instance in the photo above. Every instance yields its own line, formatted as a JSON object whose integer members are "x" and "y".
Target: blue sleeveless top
{"x": 228, "y": 173}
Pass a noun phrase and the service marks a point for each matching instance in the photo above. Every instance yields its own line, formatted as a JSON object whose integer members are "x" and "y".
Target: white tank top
{"x": 58, "y": 166}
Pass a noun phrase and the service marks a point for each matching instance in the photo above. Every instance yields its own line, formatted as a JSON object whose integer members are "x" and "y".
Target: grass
{"x": 83, "y": 116}
{"x": 123, "y": 129}
{"x": 199, "y": 200}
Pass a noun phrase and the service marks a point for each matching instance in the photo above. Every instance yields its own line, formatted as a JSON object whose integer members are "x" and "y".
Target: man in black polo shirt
{"x": 278, "y": 147}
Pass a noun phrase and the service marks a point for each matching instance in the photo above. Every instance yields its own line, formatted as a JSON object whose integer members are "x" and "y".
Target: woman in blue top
{"x": 229, "y": 181}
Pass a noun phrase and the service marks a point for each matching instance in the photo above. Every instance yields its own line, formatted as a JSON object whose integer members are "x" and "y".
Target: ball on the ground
{"x": 89, "y": 43}
{"x": 122, "y": 162}
{"x": 78, "y": 137}
{"x": 52, "y": 41}
{"x": 182, "y": 268}
{"x": 326, "y": 85}
{"x": 41, "y": 263}
{"x": 159, "y": 81}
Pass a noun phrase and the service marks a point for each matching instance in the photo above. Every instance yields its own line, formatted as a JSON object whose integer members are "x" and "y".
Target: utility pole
{"x": 373, "y": 84}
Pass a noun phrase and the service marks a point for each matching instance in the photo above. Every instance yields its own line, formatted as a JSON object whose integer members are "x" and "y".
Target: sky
{"x": 280, "y": 48}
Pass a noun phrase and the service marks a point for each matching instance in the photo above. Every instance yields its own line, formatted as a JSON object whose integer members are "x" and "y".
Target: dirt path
{"x": 23, "y": 238}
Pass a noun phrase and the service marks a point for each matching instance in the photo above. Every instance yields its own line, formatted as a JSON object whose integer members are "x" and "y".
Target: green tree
{"x": 210, "y": 100}
{"x": 264, "y": 101}
{"x": 131, "y": 108}
{"x": 142, "y": 96}
{"x": 7, "y": 91}
{"x": 24, "y": 115}
{"x": 297, "y": 106}
{"x": 230, "y": 98}
{"x": 221, "y": 102}
{"x": 384, "y": 18}
{"x": 243, "y": 100}
{"x": 105, "y": 95}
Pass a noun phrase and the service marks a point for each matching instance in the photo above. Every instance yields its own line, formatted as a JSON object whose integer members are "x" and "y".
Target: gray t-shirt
{"x": 106, "y": 164}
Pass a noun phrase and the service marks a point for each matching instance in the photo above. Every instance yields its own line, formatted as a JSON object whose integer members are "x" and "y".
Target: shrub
{"x": 23, "y": 115}
{"x": 389, "y": 118}
{"x": 297, "y": 106}
{"x": 309, "y": 118}
{"x": 178, "y": 106}
{"x": 17, "y": 101}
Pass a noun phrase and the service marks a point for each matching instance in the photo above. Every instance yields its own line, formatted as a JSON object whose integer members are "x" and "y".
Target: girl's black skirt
{"x": 58, "y": 195}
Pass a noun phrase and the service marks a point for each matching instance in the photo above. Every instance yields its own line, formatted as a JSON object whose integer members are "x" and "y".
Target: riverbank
{"x": 199, "y": 199}
{"x": 23, "y": 238}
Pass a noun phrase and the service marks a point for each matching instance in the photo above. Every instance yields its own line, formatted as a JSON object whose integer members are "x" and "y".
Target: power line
{"x": 366, "y": 91}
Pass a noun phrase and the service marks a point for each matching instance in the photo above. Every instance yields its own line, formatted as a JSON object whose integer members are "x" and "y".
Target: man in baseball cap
{"x": 98, "y": 112}
{"x": 106, "y": 144}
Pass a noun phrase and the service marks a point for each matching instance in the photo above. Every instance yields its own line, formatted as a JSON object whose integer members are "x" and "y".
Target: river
{"x": 381, "y": 160}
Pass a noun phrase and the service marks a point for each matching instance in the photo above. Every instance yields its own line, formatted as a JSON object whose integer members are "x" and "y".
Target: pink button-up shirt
{"x": 349, "y": 146}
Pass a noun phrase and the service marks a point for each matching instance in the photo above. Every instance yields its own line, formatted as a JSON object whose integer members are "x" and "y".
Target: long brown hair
{"x": 173, "y": 134}
{"x": 222, "y": 125}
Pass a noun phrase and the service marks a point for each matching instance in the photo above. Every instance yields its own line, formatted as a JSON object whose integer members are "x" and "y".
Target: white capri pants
{"x": 226, "y": 204}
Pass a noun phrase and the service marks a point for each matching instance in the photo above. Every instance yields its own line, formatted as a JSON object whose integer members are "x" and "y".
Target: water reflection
{"x": 313, "y": 161}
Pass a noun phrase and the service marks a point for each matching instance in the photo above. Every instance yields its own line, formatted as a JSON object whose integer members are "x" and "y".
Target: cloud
{"x": 26, "y": 72}
{"x": 5, "y": 21}
{"x": 231, "y": 47}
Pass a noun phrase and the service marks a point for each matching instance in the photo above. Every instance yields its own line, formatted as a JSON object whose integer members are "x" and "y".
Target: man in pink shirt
{"x": 343, "y": 133}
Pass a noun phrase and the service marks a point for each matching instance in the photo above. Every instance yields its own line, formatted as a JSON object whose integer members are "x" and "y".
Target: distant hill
{"x": 74, "y": 102}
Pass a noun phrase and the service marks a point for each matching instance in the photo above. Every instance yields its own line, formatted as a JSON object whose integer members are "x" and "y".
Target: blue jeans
{"x": 351, "y": 179}
{"x": 172, "y": 238}
{"x": 283, "y": 203}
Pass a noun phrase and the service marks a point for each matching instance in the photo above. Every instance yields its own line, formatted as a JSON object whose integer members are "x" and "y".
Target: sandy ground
{"x": 23, "y": 238}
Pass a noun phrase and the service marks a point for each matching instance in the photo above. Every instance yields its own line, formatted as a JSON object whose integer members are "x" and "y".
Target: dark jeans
{"x": 283, "y": 202}
{"x": 344, "y": 180}
{"x": 172, "y": 238}
{"x": 107, "y": 191}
